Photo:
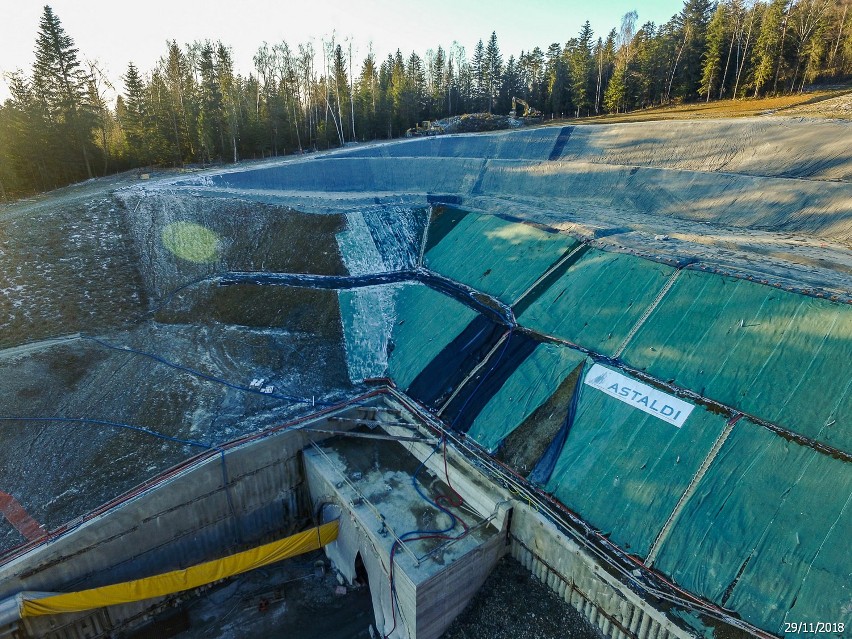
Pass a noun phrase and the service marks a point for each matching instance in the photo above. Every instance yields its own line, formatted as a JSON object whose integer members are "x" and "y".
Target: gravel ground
{"x": 513, "y": 604}
{"x": 839, "y": 107}
{"x": 301, "y": 601}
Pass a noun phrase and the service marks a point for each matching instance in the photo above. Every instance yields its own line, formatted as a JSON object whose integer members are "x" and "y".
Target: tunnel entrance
{"x": 361, "y": 576}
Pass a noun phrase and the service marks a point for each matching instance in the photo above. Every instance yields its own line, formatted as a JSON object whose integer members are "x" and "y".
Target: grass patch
{"x": 715, "y": 108}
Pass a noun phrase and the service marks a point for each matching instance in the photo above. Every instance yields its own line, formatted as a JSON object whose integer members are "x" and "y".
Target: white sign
{"x": 645, "y": 398}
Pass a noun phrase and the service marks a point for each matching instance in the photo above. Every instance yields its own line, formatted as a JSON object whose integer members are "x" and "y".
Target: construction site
{"x": 618, "y": 354}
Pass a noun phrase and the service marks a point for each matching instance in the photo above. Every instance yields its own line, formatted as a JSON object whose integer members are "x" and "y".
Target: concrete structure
{"x": 433, "y": 579}
{"x": 365, "y": 479}
{"x": 761, "y": 220}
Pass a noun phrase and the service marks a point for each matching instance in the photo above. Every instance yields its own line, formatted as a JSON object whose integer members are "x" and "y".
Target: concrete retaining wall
{"x": 444, "y": 596}
{"x": 192, "y": 517}
{"x": 418, "y": 608}
{"x": 617, "y": 611}
{"x": 179, "y": 524}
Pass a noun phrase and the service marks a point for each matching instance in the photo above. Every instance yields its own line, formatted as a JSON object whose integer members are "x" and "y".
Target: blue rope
{"x": 103, "y": 422}
{"x": 208, "y": 377}
{"x": 153, "y": 433}
{"x": 420, "y": 533}
{"x": 167, "y": 299}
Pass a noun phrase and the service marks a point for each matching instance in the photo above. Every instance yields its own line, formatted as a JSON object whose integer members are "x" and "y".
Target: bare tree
{"x": 737, "y": 14}
{"x": 745, "y": 49}
{"x": 806, "y": 20}
{"x": 785, "y": 21}
{"x": 833, "y": 57}
{"x": 677, "y": 61}
{"x": 351, "y": 91}
{"x": 600, "y": 77}
{"x": 98, "y": 85}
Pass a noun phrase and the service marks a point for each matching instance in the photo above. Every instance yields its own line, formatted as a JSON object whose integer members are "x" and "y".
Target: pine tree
{"x": 580, "y": 66}
{"x": 768, "y": 43}
{"x": 210, "y": 126}
{"x": 230, "y": 91}
{"x": 367, "y": 99}
{"x": 60, "y": 83}
{"x": 478, "y": 76}
{"x": 178, "y": 107}
{"x": 493, "y": 70}
{"x": 415, "y": 90}
{"x": 134, "y": 121}
{"x": 531, "y": 69}
{"x": 616, "y": 91}
{"x": 615, "y": 96}
{"x": 339, "y": 77}
{"x": 694, "y": 19}
{"x": 398, "y": 94}
{"x": 510, "y": 86}
{"x": 28, "y": 162}
{"x": 438, "y": 87}
{"x": 645, "y": 82}
{"x": 558, "y": 82}
{"x": 385, "y": 101}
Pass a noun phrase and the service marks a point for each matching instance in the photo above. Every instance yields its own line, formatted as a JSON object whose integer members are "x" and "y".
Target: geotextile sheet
{"x": 491, "y": 254}
{"x": 781, "y": 356}
{"x": 624, "y": 470}
{"x": 531, "y": 384}
{"x": 426, "y": 321}
{"x": 597, "y": 301}
{"x": 766, "y": 532}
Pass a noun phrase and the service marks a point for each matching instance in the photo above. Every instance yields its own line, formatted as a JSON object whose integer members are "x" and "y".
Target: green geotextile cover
{"x": 598, "y": 300}
{"x": 780, "y": 356}
{"x": 766, "y": 532}
{"x": 624, "y": 470}
{"x": 530, "y": 386}
{"x": 426, "y": 321}
{"x": 493, "y": 255}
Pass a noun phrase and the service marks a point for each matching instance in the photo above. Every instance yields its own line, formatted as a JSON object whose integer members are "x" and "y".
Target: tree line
{"x": 60, "y": 126}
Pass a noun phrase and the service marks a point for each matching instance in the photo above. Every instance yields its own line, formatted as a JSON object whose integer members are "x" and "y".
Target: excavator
{"x": 529, "y": 112}
{"x": 424, "y": 128}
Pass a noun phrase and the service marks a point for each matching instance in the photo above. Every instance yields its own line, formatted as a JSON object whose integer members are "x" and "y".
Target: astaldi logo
{"x": 641, "y": 396}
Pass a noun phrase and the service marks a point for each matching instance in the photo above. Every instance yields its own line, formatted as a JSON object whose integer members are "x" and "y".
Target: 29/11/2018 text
{"x": 813, "y": 627}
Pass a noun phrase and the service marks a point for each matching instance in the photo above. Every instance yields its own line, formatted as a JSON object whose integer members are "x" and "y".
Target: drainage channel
{"x": 476, "y": 300}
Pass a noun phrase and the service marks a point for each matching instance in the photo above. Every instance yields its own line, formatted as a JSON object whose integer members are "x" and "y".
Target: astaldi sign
{"x": 649, "y": 400}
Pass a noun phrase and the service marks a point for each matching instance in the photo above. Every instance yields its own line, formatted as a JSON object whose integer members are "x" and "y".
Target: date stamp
{"x": 814, "y": 627}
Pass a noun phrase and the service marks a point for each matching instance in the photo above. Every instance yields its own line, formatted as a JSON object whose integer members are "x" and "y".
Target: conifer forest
{"x": 65, "y": 121}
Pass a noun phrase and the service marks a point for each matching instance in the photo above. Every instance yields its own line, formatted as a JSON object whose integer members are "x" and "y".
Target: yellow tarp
{"x": 179, "y": 580}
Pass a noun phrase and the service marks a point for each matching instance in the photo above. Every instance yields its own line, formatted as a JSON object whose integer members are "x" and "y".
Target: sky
{"x": 115, "y": 32}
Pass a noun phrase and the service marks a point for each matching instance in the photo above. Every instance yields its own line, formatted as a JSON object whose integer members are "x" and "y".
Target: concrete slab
{"x": 438, "y": 556}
